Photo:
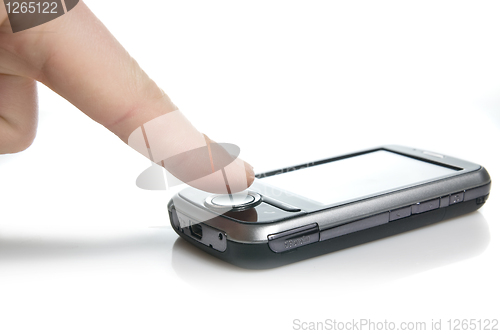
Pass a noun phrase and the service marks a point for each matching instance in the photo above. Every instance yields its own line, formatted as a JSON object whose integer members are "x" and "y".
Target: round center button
{"x": 226, "y": 200}
{"x": 234, "y": 202}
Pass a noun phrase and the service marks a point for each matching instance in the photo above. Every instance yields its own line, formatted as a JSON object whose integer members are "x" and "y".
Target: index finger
{"x": 86, "y": 65}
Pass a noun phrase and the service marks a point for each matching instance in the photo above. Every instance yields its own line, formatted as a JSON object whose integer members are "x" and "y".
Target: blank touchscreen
{"x": 357, "y": 177}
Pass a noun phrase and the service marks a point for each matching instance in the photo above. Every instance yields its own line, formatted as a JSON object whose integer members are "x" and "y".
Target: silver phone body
{"x": 420, "y": 188}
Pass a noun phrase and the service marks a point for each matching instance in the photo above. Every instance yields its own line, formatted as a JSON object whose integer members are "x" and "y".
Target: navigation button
{"x": 233, "y": 202}
{"x": 228, "y": 200}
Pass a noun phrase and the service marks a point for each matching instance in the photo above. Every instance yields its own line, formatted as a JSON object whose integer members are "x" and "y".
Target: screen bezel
{"x": 459, "y": 166}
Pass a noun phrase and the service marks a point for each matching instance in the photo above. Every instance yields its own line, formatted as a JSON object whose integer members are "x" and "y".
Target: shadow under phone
{"x": 376, "y": 262}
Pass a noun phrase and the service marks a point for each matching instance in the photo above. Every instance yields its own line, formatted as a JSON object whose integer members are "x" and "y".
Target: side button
{"x": 291, "y": 239}
{"x": 477, "y": 192}
{"x": 457, "y": 197}
{"x": 281, "y": 205}
{"x": 445, "y": 201}
{"x": 400, "y": 213}
{"x": 425, "y": 206}
{"x": 355, "y": 226}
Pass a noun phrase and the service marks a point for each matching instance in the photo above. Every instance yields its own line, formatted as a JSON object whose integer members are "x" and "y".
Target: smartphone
{"x": 311, "y": 209}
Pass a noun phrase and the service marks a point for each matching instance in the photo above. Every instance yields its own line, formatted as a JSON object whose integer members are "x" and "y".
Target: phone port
{"x": 196, "y": 231}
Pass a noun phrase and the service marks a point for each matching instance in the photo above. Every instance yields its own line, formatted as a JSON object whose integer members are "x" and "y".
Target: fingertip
{"x": 249, "y": 173}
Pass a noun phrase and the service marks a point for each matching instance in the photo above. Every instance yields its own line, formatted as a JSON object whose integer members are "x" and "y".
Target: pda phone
{"x": 302, "y": 211}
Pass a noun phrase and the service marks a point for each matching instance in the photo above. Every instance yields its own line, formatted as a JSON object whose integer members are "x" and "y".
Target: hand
{"x": 78, "y": 58}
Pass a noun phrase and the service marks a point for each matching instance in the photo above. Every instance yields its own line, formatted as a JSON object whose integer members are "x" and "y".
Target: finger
{"x": 85, "y": 64}
{"x": 76, "y": 56}
{"x": 3, "y": 15}
{"x": 18, "y": 113}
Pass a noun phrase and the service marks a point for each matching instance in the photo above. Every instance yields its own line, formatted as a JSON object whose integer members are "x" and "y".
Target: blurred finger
{"x": 191, "y": 156}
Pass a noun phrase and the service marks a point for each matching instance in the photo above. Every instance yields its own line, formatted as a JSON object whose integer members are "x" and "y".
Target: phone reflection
{"x": 377, "y": 262}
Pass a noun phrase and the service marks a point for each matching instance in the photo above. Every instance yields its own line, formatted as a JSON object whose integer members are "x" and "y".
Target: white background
{"x": 82, "y": 250}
